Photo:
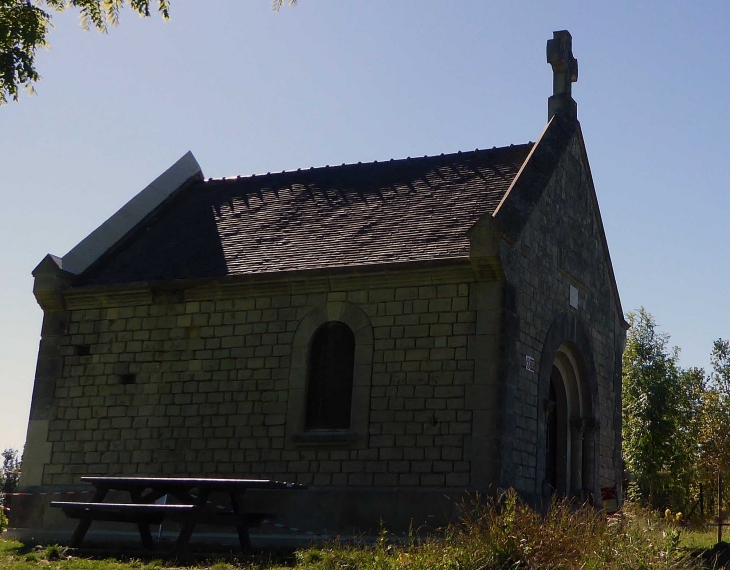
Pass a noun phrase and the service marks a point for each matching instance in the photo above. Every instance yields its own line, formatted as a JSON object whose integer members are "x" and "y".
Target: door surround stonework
{"x": 567, "y": 349}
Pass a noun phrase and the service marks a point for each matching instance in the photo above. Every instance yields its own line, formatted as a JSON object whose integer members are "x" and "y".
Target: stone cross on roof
{"x": 565, "y": 73}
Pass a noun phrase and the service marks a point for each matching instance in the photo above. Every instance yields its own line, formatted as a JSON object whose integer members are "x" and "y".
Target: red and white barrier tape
{"x": 48, "y": 493}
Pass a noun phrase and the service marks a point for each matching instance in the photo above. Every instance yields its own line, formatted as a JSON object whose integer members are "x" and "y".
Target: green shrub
{"x": 51, "y": 552}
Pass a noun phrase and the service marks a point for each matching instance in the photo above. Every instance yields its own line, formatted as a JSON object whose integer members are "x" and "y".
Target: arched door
{"x": 557, "y": 434}
{"x": 568, "y": 441}
{"x": 551, "y": 441}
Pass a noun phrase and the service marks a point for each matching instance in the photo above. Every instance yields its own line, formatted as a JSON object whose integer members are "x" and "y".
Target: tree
{"x": 24, "y": 26}
{"x": 714, "y": 417}
{"x": 661, "y": 404}
{"x": 9, "y": 478}
{"x": 720, "y": 360}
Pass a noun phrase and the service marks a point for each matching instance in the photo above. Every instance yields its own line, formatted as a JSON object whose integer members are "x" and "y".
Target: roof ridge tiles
{"x": 285, "y": 172}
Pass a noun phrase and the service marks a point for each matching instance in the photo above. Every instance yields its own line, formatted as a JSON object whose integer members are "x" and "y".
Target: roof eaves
{"x": 306, "y": 276}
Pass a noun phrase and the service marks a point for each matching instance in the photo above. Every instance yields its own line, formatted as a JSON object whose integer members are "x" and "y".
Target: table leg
{"x": 85, "y": 523}
{"x": 243, "y": 536}
{"x": 80, "y": 532}
{"x": 144, "y": 529}
{"x": 187, "y": 530}
{"x": 146, "y": 536}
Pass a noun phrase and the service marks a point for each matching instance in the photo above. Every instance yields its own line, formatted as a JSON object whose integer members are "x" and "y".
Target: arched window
{"x": 329, "y": 378}
{"x": 331, "y": 374}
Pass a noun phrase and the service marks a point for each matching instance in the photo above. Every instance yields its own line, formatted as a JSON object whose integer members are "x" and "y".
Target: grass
{"x": 499, "y": 535}
{"x": 16, "y": 556}
{"x": 699, "y": 539}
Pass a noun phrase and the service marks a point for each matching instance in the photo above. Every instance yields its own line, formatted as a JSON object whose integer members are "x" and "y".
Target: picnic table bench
{"x": 193, "y": 509}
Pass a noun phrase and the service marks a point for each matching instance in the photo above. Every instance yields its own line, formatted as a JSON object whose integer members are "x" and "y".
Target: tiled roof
{"x": 414, "y": 209}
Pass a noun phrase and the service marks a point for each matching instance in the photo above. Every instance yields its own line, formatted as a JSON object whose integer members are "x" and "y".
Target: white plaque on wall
{"x": 574, "y": 297}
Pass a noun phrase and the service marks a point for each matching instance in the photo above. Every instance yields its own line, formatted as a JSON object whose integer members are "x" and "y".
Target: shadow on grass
{"x": 206, "y": 556}
{"x": 715, "y": 558}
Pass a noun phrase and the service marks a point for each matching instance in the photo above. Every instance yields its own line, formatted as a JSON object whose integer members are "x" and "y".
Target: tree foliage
{"x": 661, "y": 404}
{"x": 9, "y": 478}
{"x": 714, "y": 417}
{"x": 10, "y": 473}
{"x": 676, "y": 423}
{"x": 276, "y": 4}
{"x": 24, "y": 27}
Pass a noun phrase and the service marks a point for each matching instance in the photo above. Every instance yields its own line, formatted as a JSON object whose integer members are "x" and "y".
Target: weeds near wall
{"x": 506, "y": 533}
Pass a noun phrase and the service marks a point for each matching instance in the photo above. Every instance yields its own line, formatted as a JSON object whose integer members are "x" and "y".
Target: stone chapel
{"x": 391, "y": 334}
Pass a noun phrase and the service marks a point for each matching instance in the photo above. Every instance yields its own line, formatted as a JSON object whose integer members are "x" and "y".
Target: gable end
{"x": 517, "y": 205}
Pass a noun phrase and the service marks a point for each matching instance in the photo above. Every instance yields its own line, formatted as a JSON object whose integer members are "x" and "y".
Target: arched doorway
{"x": 568, "y": 453}
{"x": 567, "y": 384}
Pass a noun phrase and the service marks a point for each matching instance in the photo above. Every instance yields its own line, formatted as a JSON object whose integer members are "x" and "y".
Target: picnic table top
{"x": 121, "y": 483}
{"x": 136, "y": 507}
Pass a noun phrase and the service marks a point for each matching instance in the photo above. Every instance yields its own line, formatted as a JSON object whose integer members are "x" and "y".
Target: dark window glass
{"x": 329, "y": 387}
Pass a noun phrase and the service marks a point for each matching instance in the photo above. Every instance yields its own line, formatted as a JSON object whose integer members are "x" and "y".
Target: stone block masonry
{"x": 561, "y": 248}
{"x": 201, "y": 387}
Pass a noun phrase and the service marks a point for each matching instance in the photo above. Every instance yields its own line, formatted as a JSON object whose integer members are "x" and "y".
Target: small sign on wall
{"x": 574, "y": 297}
{"x": 529, "y": 364}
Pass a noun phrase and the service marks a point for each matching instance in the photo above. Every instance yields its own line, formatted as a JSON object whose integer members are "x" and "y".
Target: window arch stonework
{"x": 359, "y": 323}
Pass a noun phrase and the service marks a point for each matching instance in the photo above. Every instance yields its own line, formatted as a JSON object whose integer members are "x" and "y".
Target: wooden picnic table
{"x": 193, "y": 508}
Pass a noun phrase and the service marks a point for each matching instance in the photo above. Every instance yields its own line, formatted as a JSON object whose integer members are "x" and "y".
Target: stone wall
{"x": 560, "y": 247}
{"x": 175, "y": 386}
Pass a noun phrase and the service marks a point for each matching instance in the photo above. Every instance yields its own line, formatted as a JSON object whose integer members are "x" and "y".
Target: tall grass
{"x": 507, "y": 534}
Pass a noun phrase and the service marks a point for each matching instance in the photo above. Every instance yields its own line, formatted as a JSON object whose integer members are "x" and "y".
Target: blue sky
{"x": 333, "y": 81}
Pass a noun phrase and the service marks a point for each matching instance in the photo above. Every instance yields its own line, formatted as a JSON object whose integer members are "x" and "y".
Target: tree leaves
{"x": 23, "y": 29}
{"x": 659, "y": 412}
{"x": 277, "y": 4}
{"x": 676, "y": 423}
{"x": 9, "y": 477}
{"x": 714, "y": 415}
{"x": 24, "y": 26}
